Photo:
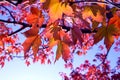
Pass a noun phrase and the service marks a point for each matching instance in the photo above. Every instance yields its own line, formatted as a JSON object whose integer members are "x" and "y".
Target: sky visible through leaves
{"x": 58, "y": 41}
{"x": 17, "y": 69}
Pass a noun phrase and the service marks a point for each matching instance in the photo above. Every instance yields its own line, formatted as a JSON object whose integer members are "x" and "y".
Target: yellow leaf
{"x": 57, "y": 9}
{"x": 52, "y": 42}
{"x": 42, "y": 1}
{"x": 88, "y": 13}
{"x": 49, "y": 3}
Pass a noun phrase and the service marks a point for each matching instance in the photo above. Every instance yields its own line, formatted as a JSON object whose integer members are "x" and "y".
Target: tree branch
{"x": 15, "y": 22}
{"x": 43, "y": 26}
{"x": 103, "y": 62}
{"x": 101, "y": 2}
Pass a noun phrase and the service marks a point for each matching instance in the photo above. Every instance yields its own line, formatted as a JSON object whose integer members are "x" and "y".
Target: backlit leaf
{"x": 65, "y": 52}
{"x": 115, "y": 20}
{"x": 55, "y": 30}
{"x": 28, "y": 43}
{"x": 62, "y": 50}
{"x": 52, "y": 42}
{"x": 36, "y": 44}
{"x": 100, "y": 34}
{"x": 93, "y": 12}
{"x": 76, "y": 35}
{"x": 35, "y": 11}
{"x": 57, "y": 9}
{"x": 94, "y": 25}
{"x": 35, "y": 17}
{"x": 59, "y": 50}
{"x": 1, "y": 44}
{"x": 109, "y": 38}
{"x": 31, "y": 32}
{"x": 107, "y": 33}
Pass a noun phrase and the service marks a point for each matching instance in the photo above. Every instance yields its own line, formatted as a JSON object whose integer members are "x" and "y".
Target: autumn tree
{"x": 71, "y": 26}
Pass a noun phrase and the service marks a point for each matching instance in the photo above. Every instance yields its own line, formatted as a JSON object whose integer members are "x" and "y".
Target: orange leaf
{"x": 35, "y": 17}
{"x": 1, "y": 44}
{"x": 36, "y": 44}
{"x": 32, "y": 32}
{"x": 62, "y": 50}
{"x": 32, "y": 18}
{"x": 35, "y": 11}
{"x": 65, "y": 52}
{"x": 59, "y": 51}
{"x": 115, "y": 20}
{"x": 28, "y": 43}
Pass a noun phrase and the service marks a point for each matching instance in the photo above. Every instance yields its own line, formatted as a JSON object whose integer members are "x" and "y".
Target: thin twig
{"x": 101, "y": 2}
{"x": 9, "y": 12}
{"x": 103, "y": 62}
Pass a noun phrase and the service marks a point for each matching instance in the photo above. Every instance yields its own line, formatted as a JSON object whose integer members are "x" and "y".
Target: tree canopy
{"x": 69, "y": 26}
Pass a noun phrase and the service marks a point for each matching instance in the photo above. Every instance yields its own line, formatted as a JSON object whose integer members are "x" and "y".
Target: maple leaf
{"x": 65, "y": 52}
{"x": 62, "y": 50}
{"x": 28, "y": 43}
{"x": 48, "y": 3}
{"x": 52, "y": 42}
{"x": 55, "y": 30}
{"x": 32, "y": 40}
{"x": 1, "y": 44}
{"x": 95, "y": 12}
{"x": 57, "y": 9}
{"x": 35, "y": 17}
{"x": 35, "y": 46}
{"x": 31, "y": 32}
{"x": 107, "y": 33}
{"x": 59, "y": 51}
{"x": 94, "y": 25}
{"x": 100, "y": 34}
{"x": 115, "y": 20}
{"x": 76, "y": 35}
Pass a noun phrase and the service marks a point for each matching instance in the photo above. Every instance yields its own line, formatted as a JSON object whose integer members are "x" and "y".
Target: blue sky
{"x": 17, "y": 70}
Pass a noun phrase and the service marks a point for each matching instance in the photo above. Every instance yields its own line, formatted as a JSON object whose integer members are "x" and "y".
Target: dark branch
{"x": 17, "y": 31}
{"x": 103, "y": 62}
{"x": 102, "y": 2}
{"x": 43, "y": 26}
{"x": 15, "y": 22}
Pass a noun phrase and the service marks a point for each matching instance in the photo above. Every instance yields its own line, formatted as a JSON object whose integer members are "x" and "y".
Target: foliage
{"x": 72, "y": 26}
